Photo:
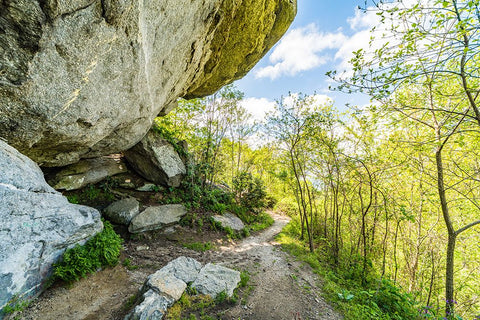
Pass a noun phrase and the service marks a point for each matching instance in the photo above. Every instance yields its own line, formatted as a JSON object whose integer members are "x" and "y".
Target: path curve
{"x": 282, "y": 288}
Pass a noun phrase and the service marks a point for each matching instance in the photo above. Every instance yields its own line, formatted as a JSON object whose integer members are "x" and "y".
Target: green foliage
{"x": 101, "y": 250}
{"x": 221, "y": 297}
{"x": 249, "y": 191}
{"x": 15, "y": 305}
{"x": 199, "y": 246}
{"x": 244, "y": 278}
{"x": 127, "y": 263}
{"x": 382, "y": 300}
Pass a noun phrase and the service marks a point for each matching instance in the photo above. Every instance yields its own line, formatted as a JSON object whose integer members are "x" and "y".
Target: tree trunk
{"x": 452, "y": 235}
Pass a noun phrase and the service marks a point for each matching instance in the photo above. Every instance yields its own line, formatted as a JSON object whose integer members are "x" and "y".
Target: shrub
{"x": 101, "y": 250}
{"x": 249, "y": 191}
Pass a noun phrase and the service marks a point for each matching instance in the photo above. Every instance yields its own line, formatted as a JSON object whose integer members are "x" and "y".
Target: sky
{"x": 321, "y": 38}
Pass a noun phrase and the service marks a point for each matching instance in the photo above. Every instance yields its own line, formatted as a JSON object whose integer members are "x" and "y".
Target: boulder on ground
{"x": 122, "y": 211}
{"x": 164, "y": 287}
{"x": 184, "y": 268}
{"x": 229, "y": 220}
{"x": 153, "y": 307}
{"x": 166, "y": 284}
{"x": 155, "y": 159}
{"x": 37, "y": 224}
{"x": 214, "y": 279}
{"x": 84, "y": 172}
{"x": 157, "y": 217}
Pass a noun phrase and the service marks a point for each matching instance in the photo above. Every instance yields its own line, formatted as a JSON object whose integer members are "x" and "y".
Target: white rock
{"x": 157, "y": 217}
{"x": 229, "y": 220}
{"x": 122, "y": 211}
{"x": 213, "y": 279}
{"x": 37, "y": 224}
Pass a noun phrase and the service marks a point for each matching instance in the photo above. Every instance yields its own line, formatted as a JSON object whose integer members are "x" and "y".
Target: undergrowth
{"x": 379, "y": 299}
{"x": 99, "y": 251}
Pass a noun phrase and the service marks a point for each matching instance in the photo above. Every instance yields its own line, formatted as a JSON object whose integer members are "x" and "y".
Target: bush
{"x": 249, "y": 191}
{"x": 101, "y": 250}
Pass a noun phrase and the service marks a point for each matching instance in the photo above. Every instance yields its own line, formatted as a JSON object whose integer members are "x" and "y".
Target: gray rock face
{"x": 184, "y": 268}
{"x": 156, "y": 160}
{"x": 36, "y": 225}
{"x": 122, "y": 211}
{"x": 84, "y": 172}
{"x": 214, "y": 279}
{"x": 167, "y": 284}
{"x": 85, "y": 78}
{"x": 154, "y": 218}
{"x": 229, "y": 220}
{"x": 153, "y": 307}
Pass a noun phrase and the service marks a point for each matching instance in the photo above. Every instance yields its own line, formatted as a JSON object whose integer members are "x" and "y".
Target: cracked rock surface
{"x": 37, "y": 224}
{"x": 86, "y": 78}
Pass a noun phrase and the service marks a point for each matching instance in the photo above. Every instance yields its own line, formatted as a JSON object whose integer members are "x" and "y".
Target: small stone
{"x": 142, "y": 248}
{"x": 229, "y": 220}
{"x": 122, "y": 211}
{"x": 157, "y": 217}
{"x": 147, "y": 187}
{"x": 153, "y": 307}
{"x": 89, "y": 171}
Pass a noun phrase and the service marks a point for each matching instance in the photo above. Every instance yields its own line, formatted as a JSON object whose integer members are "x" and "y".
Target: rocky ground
{"x": 280, "y": 288}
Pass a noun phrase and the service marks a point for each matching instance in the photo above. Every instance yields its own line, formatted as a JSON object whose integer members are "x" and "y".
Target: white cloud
{"x": 306, "y": 48}
{"x": 300, "y": 50}
{"x": 258, "y": 107}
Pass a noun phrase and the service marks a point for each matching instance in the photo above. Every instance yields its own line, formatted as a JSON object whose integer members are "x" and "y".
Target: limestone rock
{"x": 86, "y": 78}
{"x": 153, "y": 307}
{"x": 84, "y": 172}
{"x": 184, "y": 268}
{"x": 156, "y": 160}
{"x": 37, "y": 224}
{"x": 154, "y": 218}
{"x": 166, "y": 284}
{"x": 214, "y": 279}
{"x": 122, "y": 211}
{"x": 229, "y": 220}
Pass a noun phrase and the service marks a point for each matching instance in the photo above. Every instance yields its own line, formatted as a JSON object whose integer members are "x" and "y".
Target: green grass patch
{"x": 199, "y": 246}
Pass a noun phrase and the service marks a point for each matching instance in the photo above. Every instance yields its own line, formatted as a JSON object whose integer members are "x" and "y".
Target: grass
{"x": 127, "y": 263}
{"x": 199, "y": 246}
{"x": 383, "y": 301}
{"x": 194, "y": 306}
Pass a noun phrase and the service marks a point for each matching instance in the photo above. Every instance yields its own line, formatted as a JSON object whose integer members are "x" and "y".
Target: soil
{"x": 279, "y": 287}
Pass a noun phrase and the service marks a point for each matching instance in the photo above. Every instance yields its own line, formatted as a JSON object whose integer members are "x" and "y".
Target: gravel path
{"x": 282, "y": 287}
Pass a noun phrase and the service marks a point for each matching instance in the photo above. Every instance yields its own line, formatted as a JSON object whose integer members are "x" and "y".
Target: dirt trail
{"x": 281, "y": 287}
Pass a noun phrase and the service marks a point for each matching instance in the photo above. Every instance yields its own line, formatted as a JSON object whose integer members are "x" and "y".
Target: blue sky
{"x": 321, "y": 38}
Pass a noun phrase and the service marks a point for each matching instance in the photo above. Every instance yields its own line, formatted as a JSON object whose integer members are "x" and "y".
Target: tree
{"x": 293, "y": 122}
{"x": 431, "y": 44}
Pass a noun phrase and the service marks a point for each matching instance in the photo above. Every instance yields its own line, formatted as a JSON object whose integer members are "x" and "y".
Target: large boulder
{"x": 157, "y": 217}
{"x": 156, "y": 160}
{"x": 85, "y": 78}
{"x": 88, "y": 171}
{"x": 37, "y": 224}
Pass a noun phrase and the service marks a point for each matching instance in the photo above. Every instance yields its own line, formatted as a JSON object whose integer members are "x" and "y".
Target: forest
{"x": 384, "y": 198}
